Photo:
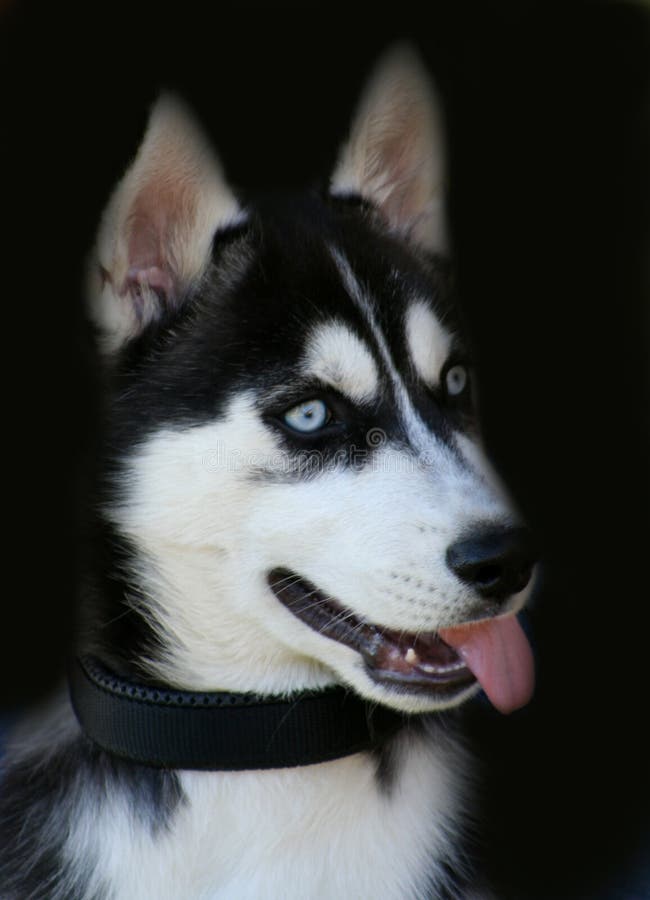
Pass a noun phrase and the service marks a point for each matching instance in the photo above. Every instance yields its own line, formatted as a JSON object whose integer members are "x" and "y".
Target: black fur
{"x": 243, "y": 327}
{"x": 249, "y": 331}
{"x": 459, "y": 874}
{"x": 110, "y": 623}
{"x": 38, "y": 796}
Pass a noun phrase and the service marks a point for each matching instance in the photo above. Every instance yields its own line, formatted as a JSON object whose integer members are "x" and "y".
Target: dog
{"x": 299, "y": 561}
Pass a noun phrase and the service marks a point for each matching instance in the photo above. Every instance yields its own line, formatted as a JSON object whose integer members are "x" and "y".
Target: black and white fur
{"x": 215, "y": 315}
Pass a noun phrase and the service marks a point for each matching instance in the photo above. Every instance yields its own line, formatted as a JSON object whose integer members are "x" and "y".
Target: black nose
{"x": 495, "y": 561}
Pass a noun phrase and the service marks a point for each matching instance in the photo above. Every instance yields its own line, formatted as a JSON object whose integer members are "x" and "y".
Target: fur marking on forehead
{"x": 427, "y": 341}
{"x": 336, "y": 356}
{"x": 419, "y": 436}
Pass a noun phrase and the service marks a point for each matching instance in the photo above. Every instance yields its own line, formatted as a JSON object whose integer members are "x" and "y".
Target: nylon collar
{"x": 166, "y": 728}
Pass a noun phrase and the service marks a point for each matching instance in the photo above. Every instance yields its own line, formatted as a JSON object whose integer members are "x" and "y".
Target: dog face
{"x": 296, "y": 447}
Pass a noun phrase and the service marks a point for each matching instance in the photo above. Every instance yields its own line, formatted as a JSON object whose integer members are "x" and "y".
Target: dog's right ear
{"x": 155, "y": 237}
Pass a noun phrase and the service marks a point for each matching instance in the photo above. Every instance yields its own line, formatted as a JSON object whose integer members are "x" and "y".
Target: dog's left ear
{"x": 395, "y": 156}
{"x": 156, "y": 234}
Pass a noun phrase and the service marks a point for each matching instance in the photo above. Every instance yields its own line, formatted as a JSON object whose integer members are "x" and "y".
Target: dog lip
{"x": 396, "y": 659}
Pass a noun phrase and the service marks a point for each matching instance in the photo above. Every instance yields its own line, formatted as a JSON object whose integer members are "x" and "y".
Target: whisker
{"x": 341, "y": 617}
{"x": 274, "y": 585}
{"x": 320, "y": 601}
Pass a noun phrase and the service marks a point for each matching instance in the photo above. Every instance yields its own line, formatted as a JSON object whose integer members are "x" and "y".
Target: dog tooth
{"x": 411, "y": 657}
{"x": 427, "y": 667}
{"x": 441, "y": 670}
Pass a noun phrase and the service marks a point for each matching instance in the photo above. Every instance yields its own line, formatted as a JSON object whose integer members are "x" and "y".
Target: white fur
{"x": 325, "y": 831}
{"x": 208, "y": 528}
{"x": 208, "y": 533}
{"x": 36, "y": 743}
{"x": 427, "y": 341}
{"x": 419, "y": 435}
{"x": 337, "y": 357}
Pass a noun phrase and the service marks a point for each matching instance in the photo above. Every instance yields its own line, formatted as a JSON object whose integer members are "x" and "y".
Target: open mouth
{"x": 417, "y": 663}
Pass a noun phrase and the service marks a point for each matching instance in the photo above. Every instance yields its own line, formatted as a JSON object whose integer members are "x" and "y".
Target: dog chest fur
{"x": 378, "y": 824}
{"x": 327, "y": 831}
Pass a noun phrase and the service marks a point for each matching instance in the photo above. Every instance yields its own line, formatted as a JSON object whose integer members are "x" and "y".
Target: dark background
{"x": 547, "y": 112}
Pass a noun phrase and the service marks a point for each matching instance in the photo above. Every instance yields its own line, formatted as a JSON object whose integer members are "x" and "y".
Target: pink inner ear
{"x": 152, "y": 278}
{"x": 400, "y": 161}
{"x": 148, "y": 270}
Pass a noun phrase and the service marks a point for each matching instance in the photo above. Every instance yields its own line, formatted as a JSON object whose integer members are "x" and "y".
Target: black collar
{"x": 219, "y": 731}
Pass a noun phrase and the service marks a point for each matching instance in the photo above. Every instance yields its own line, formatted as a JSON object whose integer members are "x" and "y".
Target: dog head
{"x": 295, "y": 455}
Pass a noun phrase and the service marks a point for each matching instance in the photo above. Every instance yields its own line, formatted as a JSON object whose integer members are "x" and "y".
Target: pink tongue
{"x": 499, "y": 655}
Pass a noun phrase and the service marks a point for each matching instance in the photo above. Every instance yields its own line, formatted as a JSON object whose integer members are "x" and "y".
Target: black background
{"x": 547, "y": 111}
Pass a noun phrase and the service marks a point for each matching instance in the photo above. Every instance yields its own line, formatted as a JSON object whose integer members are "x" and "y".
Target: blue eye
{"x": 456, "y": 380}
{"x": 308, "y": 416}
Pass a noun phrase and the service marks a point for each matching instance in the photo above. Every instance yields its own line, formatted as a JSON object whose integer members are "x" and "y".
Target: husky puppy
{"x": 292, "y": 501}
